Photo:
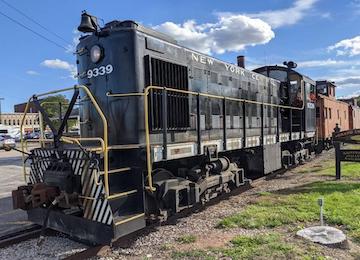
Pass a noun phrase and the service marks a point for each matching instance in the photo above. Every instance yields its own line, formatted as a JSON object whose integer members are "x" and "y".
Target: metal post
{"x": 0, "y": 110}
{"x": 244, "y": 123}
{"x": 262, "y": 124}
{"x": 277, "y": 124}
{"x": 198, "y": 123}
{"x": 291, "y": 123}
{"x": 321, "y": 204}
{"x": 60, "y": 112}
{"x": 165, "y": 124}
{"x": 337, "y": 155}
{"x": 41, "y": 125}
{"x": 224, "y": 125}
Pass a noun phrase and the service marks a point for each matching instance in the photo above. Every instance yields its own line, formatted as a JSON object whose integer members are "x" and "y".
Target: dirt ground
{"x": 162, "y": 241}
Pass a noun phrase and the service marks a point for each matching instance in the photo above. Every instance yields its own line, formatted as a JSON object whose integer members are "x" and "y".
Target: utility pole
{"x": 0, "y": 109}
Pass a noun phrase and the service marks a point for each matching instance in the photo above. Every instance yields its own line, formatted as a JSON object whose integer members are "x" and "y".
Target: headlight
{"x": 96, "y": 53}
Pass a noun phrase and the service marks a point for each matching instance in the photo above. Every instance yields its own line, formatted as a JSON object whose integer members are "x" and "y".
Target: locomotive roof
{"x": 132, "y": 25}
{"x": 326, "y": 82}
{"x": 283, "y": 68}
{"x": 115, "y": 25}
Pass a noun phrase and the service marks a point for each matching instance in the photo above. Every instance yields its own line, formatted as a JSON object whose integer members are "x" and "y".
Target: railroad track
{"x": 126, "y": 241}
{"x": 20, "y": 235}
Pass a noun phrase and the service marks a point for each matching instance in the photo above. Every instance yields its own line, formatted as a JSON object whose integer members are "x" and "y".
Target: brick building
{"x": 31, "y": 123}
{"x": 20, "y": 108}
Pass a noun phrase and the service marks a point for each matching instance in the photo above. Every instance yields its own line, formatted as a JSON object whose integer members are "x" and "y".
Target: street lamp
{"x": 0, "y": 109}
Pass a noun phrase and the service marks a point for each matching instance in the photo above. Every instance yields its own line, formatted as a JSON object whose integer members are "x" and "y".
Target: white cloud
{"x": 288, "y": 16}
{"x": 235, "y": 31}
{"x": 349, "y": 81}
{"x": 349, "y": 47}
{"x": 60, "y": 64}
{"x": 355, "y": 6}
{"x": 328, "y": 63}
{"x": 32, "y": 72}
{"x": 229, "y": 33}
{"x": 75, "y": 41}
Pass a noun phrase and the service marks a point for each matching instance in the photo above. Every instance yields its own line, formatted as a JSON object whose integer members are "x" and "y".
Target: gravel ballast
{"x": 158, "y": 242}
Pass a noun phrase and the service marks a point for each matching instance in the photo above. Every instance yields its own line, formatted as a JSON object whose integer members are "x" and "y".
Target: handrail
{"x": 79, "y": 140}
{"x": 41, "y": 140}
{"x": 103, "y": 141}
{"x": 146, "y": 114}
{"x": 22, "y": 137}
{"x": 109, "y": 94}
{"x": 106, "y": 141}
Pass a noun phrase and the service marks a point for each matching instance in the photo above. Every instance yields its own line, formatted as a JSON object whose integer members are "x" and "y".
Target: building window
{"x": 345, "y": 115}
{"x": 325, "y": 112}
{"x": 14, "y": 122}
{"x": 18, "y": 122}
{"x": 330, "y": 113}
{"x": 318, "y": 112}
{"x": 338, "y": 113}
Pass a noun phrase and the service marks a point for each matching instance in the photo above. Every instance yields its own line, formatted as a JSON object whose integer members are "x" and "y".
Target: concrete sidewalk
{"x": 11, "y": 176}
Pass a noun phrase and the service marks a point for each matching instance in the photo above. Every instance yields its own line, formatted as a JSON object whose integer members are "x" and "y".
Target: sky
{"x": 321, "y": 36}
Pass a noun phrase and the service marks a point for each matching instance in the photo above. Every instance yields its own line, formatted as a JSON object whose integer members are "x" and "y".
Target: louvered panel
{"x": 167, "y": 74}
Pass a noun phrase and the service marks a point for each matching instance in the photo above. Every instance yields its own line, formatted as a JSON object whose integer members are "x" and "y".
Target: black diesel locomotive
{"x": 162, "y": 129}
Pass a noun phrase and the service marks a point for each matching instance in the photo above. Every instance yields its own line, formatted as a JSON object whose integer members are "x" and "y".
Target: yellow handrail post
{"x": 147, "y": 138}
{"x": 106, "y": 142}
{"x": 22, "y": 137}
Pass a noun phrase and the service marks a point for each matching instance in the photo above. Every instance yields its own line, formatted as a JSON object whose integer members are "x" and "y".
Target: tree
{"x": 55, "y": 107}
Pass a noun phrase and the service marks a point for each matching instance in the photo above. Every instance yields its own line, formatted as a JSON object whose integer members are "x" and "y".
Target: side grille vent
{"x": 165, "y": 74}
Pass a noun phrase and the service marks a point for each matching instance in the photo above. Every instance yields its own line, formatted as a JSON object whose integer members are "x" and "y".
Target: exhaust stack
{"x": 241, "y": 61}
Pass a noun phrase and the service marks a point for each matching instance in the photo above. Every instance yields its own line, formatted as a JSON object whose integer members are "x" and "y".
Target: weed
{"x": 187, "y": 239}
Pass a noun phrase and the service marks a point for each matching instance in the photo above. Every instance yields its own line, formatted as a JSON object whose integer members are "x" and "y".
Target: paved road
{"x": 10, "y": 172}
{"x": 10, "y": 178}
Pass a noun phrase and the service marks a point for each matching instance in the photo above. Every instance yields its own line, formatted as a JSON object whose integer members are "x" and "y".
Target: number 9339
{"x": 100, "y": 71}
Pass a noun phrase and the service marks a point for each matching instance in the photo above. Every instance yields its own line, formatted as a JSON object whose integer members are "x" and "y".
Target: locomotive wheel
{"x": 162, "y": 174}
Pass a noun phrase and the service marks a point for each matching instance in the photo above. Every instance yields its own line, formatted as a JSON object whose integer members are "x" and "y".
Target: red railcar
{"x": 329, "y": 112}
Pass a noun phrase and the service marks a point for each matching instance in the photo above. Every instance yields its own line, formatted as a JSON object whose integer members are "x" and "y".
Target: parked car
{"x": 7, "y": 142}
{"x": 49, "y": 135}
{"x": 33, "y": 135}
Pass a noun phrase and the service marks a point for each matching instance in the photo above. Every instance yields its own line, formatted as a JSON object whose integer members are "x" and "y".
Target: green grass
{"x": 271, "y": 246}
{"x": 187, "y": 239}
{"x": 348, "y": 169}
{"x": 299, "y": 205}
{"x": 265, "y": 246}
